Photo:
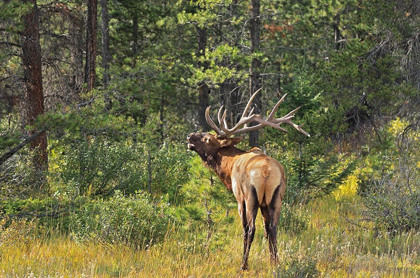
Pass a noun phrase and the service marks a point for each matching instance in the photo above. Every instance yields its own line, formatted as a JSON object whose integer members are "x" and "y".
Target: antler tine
{"x": 250, "y": 112}
{"x": 219, "y": 115}
{"x": 298, "y": 127}
{"x": 249, "y": 102}
{"x": 211, "y": 123}
{"x": 291, "y": 114}
{"x": 225, "y": 131}
{"x": 249, "y": 116}
{"x": 273, "y": 112}
{"x": 287, "y": 119}
{"x": 223, "y": 123}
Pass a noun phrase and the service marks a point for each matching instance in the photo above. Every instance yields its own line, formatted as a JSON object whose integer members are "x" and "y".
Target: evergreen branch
{"x": 11, "y": 44}
{"x": 14, "y": 150}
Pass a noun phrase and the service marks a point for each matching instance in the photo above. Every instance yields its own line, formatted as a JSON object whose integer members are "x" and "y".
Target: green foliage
{"x": 134, "y": 221}
{"x": 170, "y": 166}
{"x": 204, "y": 186}
{"x": 49, "y": 213}
{"x": 95, "y": 167}
{"x": 313, "y": 166}
{"x": 348, "y": 64}
{"x": 18, "y": 178}
{"x": 391, "y": 180}
{"x": 13, "y": 11}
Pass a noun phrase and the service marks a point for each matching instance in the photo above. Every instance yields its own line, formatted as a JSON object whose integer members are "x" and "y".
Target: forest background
{"x": 97, "y": 100}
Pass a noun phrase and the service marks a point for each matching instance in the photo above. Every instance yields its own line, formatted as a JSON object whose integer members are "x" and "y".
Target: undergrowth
{"x": 329, "y": 246}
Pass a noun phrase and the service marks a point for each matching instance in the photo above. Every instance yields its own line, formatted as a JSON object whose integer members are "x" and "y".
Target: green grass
{"x": 330, "y": 247}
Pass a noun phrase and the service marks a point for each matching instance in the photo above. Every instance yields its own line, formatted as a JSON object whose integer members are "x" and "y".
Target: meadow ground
{"x": 329, "y": 247}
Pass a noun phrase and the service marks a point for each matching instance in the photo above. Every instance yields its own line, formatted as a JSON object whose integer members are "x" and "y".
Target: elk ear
{"x": 230, "y": 141}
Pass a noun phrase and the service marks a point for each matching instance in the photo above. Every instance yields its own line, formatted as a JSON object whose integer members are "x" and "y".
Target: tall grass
{"x": 329, "y": 247}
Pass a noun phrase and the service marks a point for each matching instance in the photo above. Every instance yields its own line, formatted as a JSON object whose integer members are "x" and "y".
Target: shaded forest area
{"x": 97, "y": 98}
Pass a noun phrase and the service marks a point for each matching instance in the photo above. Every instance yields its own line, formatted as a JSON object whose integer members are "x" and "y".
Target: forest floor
{"x": 330, "y": 246}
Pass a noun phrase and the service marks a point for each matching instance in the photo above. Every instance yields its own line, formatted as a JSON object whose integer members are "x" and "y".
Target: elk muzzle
{"x": 193, "y": 138}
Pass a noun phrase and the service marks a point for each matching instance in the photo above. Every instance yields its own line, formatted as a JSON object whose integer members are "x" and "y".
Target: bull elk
{"x": 256, "y": 180}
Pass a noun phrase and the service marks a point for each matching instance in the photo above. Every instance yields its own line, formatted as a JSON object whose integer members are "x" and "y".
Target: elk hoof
{"x": 244, "y": 267}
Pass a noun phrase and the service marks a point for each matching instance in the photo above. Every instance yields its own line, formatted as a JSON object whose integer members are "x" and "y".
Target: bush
{"x": 96, "y": 167}
{"x": 132, "y": 221}
{"x": 50, "y": 213}
{"x": 392, "y": 196}
{"x": 393, "y": 202}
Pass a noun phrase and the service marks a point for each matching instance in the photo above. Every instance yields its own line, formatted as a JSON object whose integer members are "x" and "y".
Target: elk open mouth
{"x": 191, "y": 146}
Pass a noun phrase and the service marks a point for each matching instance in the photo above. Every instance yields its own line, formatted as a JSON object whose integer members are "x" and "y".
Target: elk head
{"x": 208, "y": 145}
{"x": 256, "y": 180}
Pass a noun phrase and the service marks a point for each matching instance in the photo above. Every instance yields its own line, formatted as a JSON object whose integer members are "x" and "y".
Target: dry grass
{"x": 330, "y": 247}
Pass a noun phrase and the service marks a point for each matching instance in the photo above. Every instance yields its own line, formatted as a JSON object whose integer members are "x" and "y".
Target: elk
{"x": 256, "y": 180}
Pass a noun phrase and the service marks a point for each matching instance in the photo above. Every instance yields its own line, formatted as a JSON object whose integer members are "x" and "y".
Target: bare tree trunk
{"x": 76, "y": 33}
{"x": 254, "y": 80}
{"x": 31, "y": 53}
{"x": 203, "y": 90}
{"x": 106, "y": 56}
{"x": 135, "y": 47}
{"x": 91, "y": 44}
{"x": 149, "y": 171}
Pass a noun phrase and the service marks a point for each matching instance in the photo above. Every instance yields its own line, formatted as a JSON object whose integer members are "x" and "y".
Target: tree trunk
{"x": 106, "y": 56}
{"x": 77, "y": 49}
{"x": 203, "y": 90}
{"x": 254, "y": 80}
{"x": 31, "y": 53}
{"x": 91, "y": 44}
{"x": 135, "y": 47}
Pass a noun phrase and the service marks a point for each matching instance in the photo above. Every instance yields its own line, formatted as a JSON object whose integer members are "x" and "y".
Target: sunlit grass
{"x": 330, "y": 247}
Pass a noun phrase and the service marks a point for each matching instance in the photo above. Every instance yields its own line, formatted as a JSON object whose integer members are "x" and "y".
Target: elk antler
{"x": 225, "y": 131}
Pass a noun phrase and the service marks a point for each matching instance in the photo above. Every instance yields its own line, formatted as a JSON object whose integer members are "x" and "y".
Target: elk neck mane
{"x": 222, "y": 163}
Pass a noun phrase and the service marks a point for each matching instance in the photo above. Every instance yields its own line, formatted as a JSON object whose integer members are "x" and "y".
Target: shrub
{"x": 133, "y": 221}
{"x": 393, "y": 202}
{"x": 392, "y": 193}
{"x": 50, "y": 213}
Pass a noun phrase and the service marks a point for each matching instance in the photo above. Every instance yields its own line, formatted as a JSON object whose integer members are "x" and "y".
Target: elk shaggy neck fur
{"x": 222, "y": 163}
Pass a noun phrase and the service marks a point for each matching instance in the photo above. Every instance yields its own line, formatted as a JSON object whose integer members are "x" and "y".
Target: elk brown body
{"x": 257, "y": 180}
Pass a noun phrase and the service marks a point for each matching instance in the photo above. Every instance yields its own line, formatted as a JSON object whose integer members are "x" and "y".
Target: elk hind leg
{"x": 274, "y": 210}
{"x": 266, "y": 218}
{"x": 242, "y": 215}
{"x": 251, "y": 205}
